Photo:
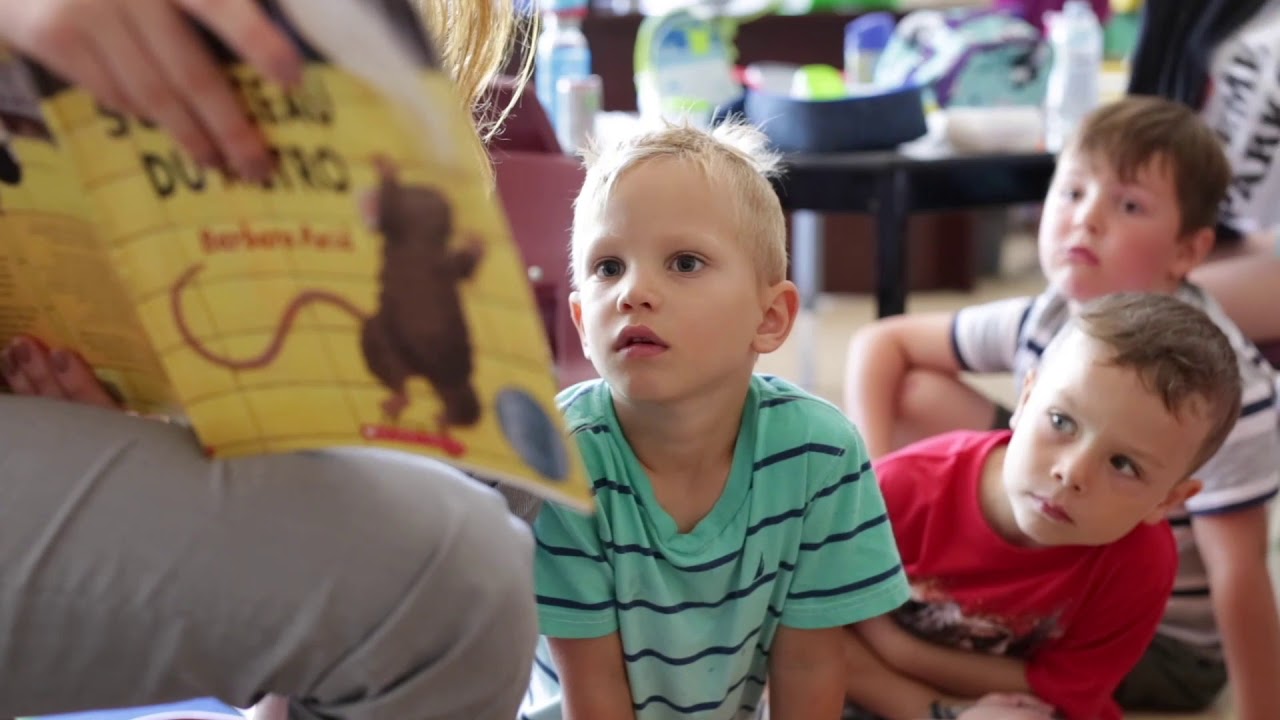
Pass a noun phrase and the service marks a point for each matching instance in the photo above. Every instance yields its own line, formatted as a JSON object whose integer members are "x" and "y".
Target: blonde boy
{"x": 738, "y": 526}
{"x": 1131, "y": 208}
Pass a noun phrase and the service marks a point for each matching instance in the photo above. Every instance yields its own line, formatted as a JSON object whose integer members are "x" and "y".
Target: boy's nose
{"x": 637, "y": 291}
{"x": 1089, "y": 214}
{"x": 1069, "y": 479}
{"x": 1070, "y": 473}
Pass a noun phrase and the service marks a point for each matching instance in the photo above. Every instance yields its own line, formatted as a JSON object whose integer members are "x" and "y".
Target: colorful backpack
{"x": 968, "y": 57}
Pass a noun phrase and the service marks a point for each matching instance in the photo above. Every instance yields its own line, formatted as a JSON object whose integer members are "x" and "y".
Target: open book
{"x": 370, "y": 294}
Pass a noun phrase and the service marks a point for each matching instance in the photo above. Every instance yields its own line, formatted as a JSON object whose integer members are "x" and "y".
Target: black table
{"x": 891, "y": 185}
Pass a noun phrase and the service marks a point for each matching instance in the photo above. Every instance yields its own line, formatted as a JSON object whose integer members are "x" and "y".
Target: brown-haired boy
{"x": 1040, "y": 559}
{"x": 1132, "y": 207}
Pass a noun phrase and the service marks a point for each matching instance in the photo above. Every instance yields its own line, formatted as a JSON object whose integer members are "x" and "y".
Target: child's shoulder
{"x": 586, "y": 402}
{"x": 1248, "y": 352}
{"x": 783, "y": 405}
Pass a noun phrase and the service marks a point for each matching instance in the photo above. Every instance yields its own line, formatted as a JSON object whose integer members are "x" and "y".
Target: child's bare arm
{"x": 1234, "y": 548}
{"x": 880, "y": 355}
{"x": 877, "y": 687}
{"x": 962, "y": 673}
{"x": 593, "y": 678}
{"x": 806, "y": 674}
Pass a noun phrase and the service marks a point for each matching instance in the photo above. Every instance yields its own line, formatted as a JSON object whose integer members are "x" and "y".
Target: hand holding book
{"x": 366, "y": 292}
{"x": 143, "y": 58}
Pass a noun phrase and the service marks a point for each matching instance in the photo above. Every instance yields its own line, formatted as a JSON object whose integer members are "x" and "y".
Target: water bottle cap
{"x": 564, "y": 7}
{"x": 869, "y": 32}
{"x": 1077, "y": 7}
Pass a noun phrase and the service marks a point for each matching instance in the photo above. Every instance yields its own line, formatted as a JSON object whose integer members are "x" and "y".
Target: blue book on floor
{"x": 197, "y": 709}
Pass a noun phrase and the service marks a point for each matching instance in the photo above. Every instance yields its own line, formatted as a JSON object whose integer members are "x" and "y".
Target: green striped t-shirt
{"x": 798, "y": 537}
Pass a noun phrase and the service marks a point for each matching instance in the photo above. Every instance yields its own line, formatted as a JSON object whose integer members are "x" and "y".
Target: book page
{"x": 56, "y": 280}
{"x": 369, "y": 294}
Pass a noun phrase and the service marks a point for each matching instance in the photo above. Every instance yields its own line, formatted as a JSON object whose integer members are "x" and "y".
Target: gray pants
{"x": 1172, "y": 677}
{"x": 361, "y": 585}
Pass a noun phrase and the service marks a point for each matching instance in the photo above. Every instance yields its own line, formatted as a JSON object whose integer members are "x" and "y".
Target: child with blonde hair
{"x": 738, "y": 526}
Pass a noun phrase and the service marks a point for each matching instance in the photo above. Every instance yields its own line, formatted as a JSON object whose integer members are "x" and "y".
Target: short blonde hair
{"x": 734, "y": 157}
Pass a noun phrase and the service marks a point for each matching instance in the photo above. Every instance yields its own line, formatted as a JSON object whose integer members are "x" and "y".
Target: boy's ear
{"x": 1027, "y": 384}
{"x": 575, "y": 311}
{"x": 1192, "y": 250}
{"x": 780, "y": 304}
{"x": 1178, "y": 494}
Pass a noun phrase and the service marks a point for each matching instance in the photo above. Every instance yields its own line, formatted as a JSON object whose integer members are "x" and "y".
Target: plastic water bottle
{"x": 1072, "y": 90}
{"x": 562, "y": 52}
{"x": 865, "y": 38}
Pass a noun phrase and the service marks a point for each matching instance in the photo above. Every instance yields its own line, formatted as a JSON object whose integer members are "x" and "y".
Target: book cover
{"x": 369, "y": 293}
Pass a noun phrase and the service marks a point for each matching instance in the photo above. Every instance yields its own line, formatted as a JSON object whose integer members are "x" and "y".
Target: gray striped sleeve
{"x": 985, "y": 337}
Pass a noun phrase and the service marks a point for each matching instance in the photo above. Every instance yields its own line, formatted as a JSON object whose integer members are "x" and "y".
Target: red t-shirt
{"x": 1080, "y": 616}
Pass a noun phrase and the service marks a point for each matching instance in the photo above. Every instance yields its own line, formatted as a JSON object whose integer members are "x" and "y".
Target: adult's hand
{"x": 32, "y": 369}
{"x": 143, "y": 58}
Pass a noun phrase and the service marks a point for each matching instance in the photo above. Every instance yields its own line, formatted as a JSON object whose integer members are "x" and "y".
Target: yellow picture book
{"x": 369, "y": 294}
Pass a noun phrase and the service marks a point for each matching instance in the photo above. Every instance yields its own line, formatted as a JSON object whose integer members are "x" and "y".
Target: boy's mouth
{"x": 1052, "y": 510}
{"x": 639, "y": 337}
{"x": 1081, "y": 255}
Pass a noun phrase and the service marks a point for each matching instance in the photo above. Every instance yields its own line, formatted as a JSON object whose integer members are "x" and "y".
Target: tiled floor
{"x": 837, "y": 316}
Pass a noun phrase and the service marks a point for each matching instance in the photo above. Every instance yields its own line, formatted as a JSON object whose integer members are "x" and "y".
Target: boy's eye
{"x": 1124, "y": 465}
{"x": 1061, "y": 422}
{"x": 686, "y": 263}
{"x": 1073, "y": 193}
{"x": 1131, "y": 207}
{"x": 608, "y": 268}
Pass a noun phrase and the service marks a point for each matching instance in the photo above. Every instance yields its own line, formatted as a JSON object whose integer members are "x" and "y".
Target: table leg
{"x": 892, "y": 203}
{"x": 807, "y": 233}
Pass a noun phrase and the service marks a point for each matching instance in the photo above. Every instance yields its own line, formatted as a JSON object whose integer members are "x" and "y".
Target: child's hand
{"x": 30, "y": 368}
{"x": 1008, "y": 706}
{"x": 143, "y": 58}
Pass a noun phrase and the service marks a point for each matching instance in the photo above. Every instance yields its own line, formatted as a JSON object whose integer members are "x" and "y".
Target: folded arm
{"x": 874, "y": 685}
{"x": 962, "y": 673}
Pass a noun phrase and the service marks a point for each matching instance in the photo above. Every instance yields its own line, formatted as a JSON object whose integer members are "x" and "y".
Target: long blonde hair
{"x": 476, "y": 38}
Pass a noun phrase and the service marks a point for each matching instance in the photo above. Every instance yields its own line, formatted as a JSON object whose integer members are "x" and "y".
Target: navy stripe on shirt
{"x": 798, "y": 452}
{"x": 546, "y": 669}
{"x": 847, "y": 479}
{"x": 844, "y": 589}
{"x": 707, "y": 652}
{"x": 1257, "y": 407}
{"x": 724, "y": 559}
{"x": 774, "y": 402}
{"x": 955, "y": 346}
{"x": 607, "y": 484}
{"x": 845, "y": 535}
{"x": 593, "y": 429}
{"x": 761, "y": 581}
{"x": 700, "y": 707}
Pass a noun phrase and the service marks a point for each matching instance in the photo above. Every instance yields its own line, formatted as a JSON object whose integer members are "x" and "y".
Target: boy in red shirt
{"x": 1040, "y": 559}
